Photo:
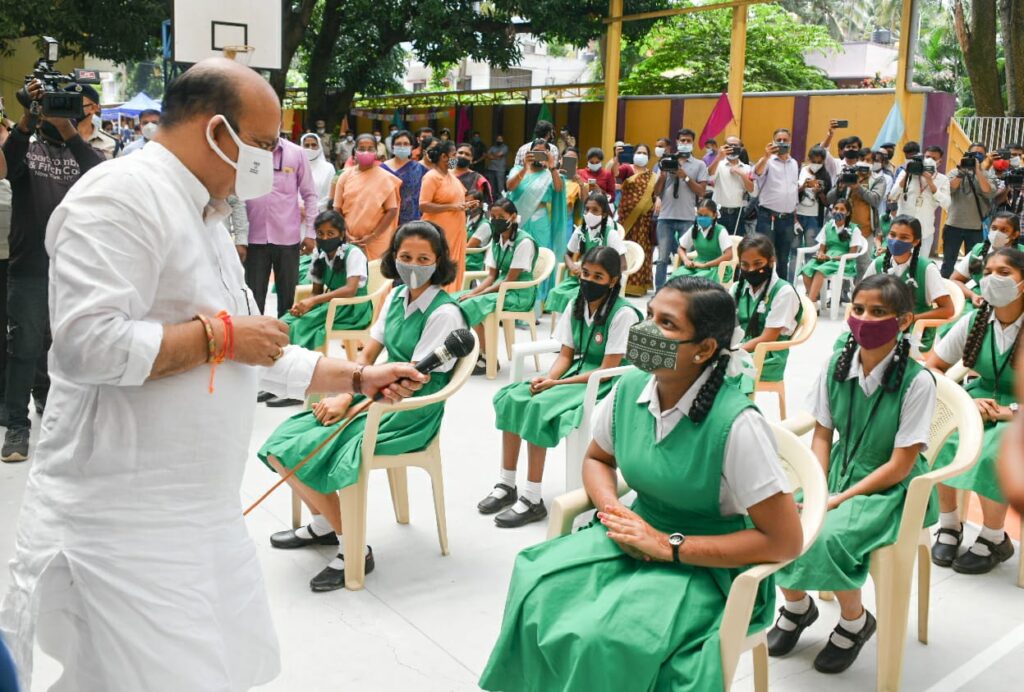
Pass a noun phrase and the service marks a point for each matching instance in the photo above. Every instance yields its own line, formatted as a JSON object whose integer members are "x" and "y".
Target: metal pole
{"x": 612, "y": 48}
{"x": 905, "y": 67}
{"x": 737, "y": 66}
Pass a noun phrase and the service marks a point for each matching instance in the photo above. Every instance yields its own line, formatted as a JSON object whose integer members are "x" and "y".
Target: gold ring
{"x": 280, "y": 352}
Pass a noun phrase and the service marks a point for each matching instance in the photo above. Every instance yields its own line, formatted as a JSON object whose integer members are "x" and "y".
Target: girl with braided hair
{"x": 839, "y": 237}
{"x": 1004, "y": 231}
{"x": 711, "y": 498}
{"x": 546, "y": 409}
{"x": 901, "y": 259}
{"x": 767, "y": 307}
{"x": 986, "y": 340}
{"x": 881, "y": 402}
{"x": 710, "y": 240}
{"x": 598, "y": 229}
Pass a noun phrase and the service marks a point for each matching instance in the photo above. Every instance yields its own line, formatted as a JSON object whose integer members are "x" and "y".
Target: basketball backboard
{"x": 203, "y": 28}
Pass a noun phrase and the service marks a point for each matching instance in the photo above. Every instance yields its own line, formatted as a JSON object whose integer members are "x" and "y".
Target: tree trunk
{"x": 1011, "y": 15}
{"x": 292, "y": 31}
{"x": 317, "y": 87}
{"x": 977, "y": 37}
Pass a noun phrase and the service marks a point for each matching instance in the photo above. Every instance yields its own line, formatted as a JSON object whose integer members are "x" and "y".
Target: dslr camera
{"x": 1014, "y": 178}
{"x": 669, "y": 164}
{"x": 915, "y": 165}
{"x": 56, "y": 103}
{"x": 968, "y": 162}
{"x": 848, "y": 176}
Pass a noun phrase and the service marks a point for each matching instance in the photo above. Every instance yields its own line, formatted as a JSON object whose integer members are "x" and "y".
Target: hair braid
{"x": 975, "y": 337}
{"x": 911, "y": 276}
{"x": 706, "y": 396}
{"x": 887, "y": 264}
{"x": 893, "y": 376}
{"x": 842, "y": 370}
{"x": 977, "y": 264}
{"x": 578, "y": 306}
{"x": 605, "y": 309}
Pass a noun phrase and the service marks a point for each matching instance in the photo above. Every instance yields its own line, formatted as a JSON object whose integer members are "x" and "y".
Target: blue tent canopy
{"x": 133, "y": 107}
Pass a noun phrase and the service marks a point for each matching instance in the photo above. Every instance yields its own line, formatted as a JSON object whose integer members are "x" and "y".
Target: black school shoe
{"x": 972, "y": 563}
{"x": 492, "y": 505}
{"x": 943, "y": 554}
{"x": 511, "y": 519}
{"x": 282, "y": 402}
{"x": 331, "y": 579}
{"x": 287, "y": 540}
{"x": 481, "y": 366}
{"x": 264, "y": 396}
{"x": 780, "y": 641}
{"x": 834, "y": 659}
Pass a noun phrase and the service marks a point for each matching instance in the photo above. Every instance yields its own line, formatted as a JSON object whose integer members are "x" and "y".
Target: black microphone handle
{"x": 427, "y": 365}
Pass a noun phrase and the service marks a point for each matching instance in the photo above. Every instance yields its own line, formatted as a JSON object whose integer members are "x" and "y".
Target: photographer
{"x": 971, "y": 190}
{"x": 849, "y": 150}
{"x": 863, "y": 189}
{"x": 41, "y": 170}
{"x": 682, "y": 181}
{"x": 920, "y": 190}
{"x": 778, "y": 176}
{"x": 731, "y": 181}
{"x": 1008, "y": 165}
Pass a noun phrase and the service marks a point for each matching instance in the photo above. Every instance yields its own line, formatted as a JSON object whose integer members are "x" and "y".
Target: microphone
{"x": 458, "y": 344}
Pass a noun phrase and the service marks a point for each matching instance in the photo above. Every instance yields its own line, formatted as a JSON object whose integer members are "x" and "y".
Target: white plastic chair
{"x": 892, "y": 566}
{"x": 377, "y": 288}
{"x": 959, "y": 302}
{"x": 468, "y": 276}
{"x": 634, "y": 260}
{"x": 833, "y": 286}
{"x": 805, "y": 473}
{"x": 806, "y": 326}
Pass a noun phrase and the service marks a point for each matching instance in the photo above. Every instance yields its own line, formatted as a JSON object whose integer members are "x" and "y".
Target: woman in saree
{"x": 402, "y": 166}
{"x": 443, "y": 201}
{"x": 368, "y": 197}
{"x": 636, "y": 213}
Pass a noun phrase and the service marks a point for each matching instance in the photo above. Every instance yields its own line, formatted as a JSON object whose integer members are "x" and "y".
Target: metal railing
{"x": 995, "y": 133}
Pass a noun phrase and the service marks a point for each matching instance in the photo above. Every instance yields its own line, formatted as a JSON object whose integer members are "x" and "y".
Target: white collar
{"x": 505, "y": 244}
{"x": 320, "y": 254}
{"x": 649, "y": 396}
{"x": 765, "y": 287}
{"x": 870, "y": 383}
{"x": 594, "y": 232}
{"x": 421, "y": 303}
{"x": 1016, "y": 324}
{"x": 212, "y": 210}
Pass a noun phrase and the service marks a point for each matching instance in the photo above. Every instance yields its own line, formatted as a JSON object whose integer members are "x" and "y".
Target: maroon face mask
{"x": 873, "y": 333}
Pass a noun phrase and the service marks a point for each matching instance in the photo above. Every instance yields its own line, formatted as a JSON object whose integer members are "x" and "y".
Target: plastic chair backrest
{"x": 948, "y": 397}
{"x": 374, "y": 278}
{"x": 804, "y": 473}
{"x": 544, "y": 265}
{"x": 634, "y": 257}
{"x": 959, "y": 299}
{"x": 808, "y": 321}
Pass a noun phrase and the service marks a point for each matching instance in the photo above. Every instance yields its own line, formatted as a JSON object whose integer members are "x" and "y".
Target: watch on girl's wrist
{"x": 1014, "y": 407}
{"x": 676, "y": 541}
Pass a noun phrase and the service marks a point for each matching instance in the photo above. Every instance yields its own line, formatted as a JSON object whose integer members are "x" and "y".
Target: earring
{"x": 696, "y": 359}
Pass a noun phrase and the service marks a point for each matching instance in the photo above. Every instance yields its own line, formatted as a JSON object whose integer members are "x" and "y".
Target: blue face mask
{"x": 839, "y": 217}
{"x": 899, "y": 247}
{"x": 705, "y": 222}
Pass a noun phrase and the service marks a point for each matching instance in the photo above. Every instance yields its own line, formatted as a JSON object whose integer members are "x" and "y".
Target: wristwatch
{"x": 676, "y": 540}
{"x": 1014, "y": 407}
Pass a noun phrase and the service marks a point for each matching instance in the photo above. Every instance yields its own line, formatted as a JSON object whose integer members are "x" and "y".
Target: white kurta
{"x": 133, "y": 566}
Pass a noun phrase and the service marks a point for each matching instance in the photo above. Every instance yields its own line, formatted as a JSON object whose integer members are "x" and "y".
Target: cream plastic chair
{"x": 469, "y": 277}
{"x": 377, "y": 288}
{"x": 542, "y": 269}
{"x": 808, "y": 321}
{"x": 892, "y": 566}
{"x": 805, "y": 473}
{"x": 833, "y": 285}
{"x": 634, "y": 260}
{"x": 734, "y": 262}
{"x": 959, "y": 302}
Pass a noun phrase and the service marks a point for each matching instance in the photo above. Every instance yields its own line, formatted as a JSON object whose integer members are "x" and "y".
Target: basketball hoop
{"x": 239, "y": 53}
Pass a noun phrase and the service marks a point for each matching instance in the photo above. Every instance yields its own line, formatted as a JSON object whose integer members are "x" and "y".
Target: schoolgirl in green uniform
{"x": 478, "y": 230}
{"x": 711, "y": 241}
{"x": 986, "y": 340}
{"x": 546, "y": 409}
{"x": 598, "y": 229}
{"x": 901, "y": 259}
{"x": 511, "y": 256}
{"x": 1003, "y": 231}
{"x": 881, "y": 402}
{"x": 767, "y": 307}
{"x": 414, "y": 320}
{"x": 839, "y": 237}
{"x": 615, "y": 606}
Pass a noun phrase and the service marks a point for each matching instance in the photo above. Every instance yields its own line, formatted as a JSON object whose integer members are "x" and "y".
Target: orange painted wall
{"x": 762, "y": 116}
{"x": 646, "y": 120}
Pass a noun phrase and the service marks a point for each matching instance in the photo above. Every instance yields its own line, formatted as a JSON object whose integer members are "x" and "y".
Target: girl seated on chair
{"x": 881, "y": 402}
{"x": 548, "y": 408}
{"x": 338, "y": 270}
{"x": 414, "y": 320}
{"x": 767, "y": 307}
{"x": 598, "y": 229}
{"x": 710, "y": 240}
{"x": 478, "y": 230}
{"x": 839, "y": 237}
{"x": 901, "y": 259}
{"x": 986, "y": 340}
{"x": 511, "y": 256}
{"x": 614, "y": 606}
{"x": 1003, "y": 231}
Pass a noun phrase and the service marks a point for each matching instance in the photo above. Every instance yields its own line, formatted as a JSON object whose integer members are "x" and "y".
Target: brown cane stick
{"x": 352, "y": 413}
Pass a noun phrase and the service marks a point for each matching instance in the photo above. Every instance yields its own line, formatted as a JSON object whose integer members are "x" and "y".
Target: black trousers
{"x": 28, "y": 341}
{"x": 952, "y": 238}
{"x": 284, "y": 261}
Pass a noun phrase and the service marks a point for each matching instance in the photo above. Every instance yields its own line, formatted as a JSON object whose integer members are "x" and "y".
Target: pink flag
{"x": 720, "y": 117}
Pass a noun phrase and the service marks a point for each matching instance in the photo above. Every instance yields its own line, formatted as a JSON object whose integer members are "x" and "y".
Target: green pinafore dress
{"x": 565, "y": 292}
{"x": 544, "y": 419}
{"x": 474, "y": 262}
{"x": 834, "y": 247}
{"x": 840, "y": 558}
{"x": 921, "y": 303}
{"x": 337, "y": 465}
{"x": 747, "y": 307}
{"x": 581, "y": 615}
{"x": 708, "y": 250}
{"x": 478, "y": 308}
{"x": 995, "y": 381}
{"x": 974, "y": 254}
{"x": 310, "y": 330}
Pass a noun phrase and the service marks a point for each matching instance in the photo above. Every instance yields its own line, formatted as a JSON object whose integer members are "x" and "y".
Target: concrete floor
{"x": 427, "y": 622}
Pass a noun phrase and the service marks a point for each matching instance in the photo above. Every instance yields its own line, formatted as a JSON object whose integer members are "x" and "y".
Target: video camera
{"x": 56, "y": 103}
{"x": 968, "y": 162}
{"x": 915, "y": 165}
{"x": 1014, "y": 178}
{"x": 669, "y": 164}
{"x": 848, "y": 176}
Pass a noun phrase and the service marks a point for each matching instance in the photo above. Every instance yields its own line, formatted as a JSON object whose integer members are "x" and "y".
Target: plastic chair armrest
{"x": 800, "y": 423}
{"x": 520, "y": 351}
{"x": 590, "y": 395}
{"x": 565, "y": 508}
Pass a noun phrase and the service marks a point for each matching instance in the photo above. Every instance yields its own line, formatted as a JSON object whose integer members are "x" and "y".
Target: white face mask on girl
{"x": 814, "y": 167}
{"x": 998, "y": 239}
{"x": 999, "y": 291}
{"x": 592, "y": 220}
{"x": 254, "y": 170}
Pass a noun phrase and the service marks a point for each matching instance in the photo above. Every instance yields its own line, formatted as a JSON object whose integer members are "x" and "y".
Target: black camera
{"x": 1003, "y": 154}
{"x": 1014, "y": 178}
{"x": 848, "y": 176}
{"x": 669, "y": 163}
{"x": 56, "y": 103}
{"x": 915, "y": 165}
{"x": 968, "y": 162}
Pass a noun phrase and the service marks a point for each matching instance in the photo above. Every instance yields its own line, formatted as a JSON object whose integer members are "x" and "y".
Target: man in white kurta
{"x": 134, "y": 568}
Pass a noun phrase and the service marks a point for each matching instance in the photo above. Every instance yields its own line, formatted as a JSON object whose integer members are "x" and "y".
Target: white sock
{"x": 531, "y": 491}
{"x": 797, "y": 608}
{"x": 993, "y": 535}
{"x": 505, "y": 477}
{"x": 852, "y": 626}
{"x": 949, "y": 520}
{"x": 339, "y": 560}
{"x": 321, "y": 527}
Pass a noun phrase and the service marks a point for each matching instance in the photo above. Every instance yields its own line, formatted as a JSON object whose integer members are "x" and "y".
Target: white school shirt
{"x": 131, "y": 531}
{"x": 614, "y": 238}
{"x": 915, "y": 413}
{"x": 483, "y": 233}
{"x": 808, "y": 204}
{"x": 751, "y": 472}
{"x": 442, "y": 322}
{"x": 728, "y": 187}
{"x": 617, "y": 332}
{"x": 856, "y": 237}
{"x": 355, "y": 264}
{"x": 784, "y": 308}
{"x": 522, "y": 259}
{"x": 950, "y": 348}
{"x": 934, "y": 286}
{"x": 724, "y": 239}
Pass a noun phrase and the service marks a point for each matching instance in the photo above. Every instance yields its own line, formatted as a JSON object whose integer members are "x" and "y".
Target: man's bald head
{"x": 216, "y": 86}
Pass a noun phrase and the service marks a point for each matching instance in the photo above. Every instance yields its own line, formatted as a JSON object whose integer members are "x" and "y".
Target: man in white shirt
{"x": 731, "y": 181}
{"x": 133, "y": 566}
{"x": 149, "y": 119}
{"x": 777, "y": 176}
{"x": 922, "y": 194}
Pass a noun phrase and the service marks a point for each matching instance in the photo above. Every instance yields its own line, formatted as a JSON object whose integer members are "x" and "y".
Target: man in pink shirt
{"x": 281, "y": 227}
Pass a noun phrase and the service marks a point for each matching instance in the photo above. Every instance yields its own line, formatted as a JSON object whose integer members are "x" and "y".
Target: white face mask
{"x": 402, "y": 152}
{"x": 376, "y": 138}
{"x": 659, "y": 152}
{"x": 149, "y": 130}
{"x": 999, "y": 291}
{"x": 1015, "y": 161}
{"x": 254, "y": 170}
{"x": 592, "y": 220}
{"x": 998, "y": 239}
{"x": 814, "y": 167}
{"x": 685, "y": 148}
{"x": 876, "y": 167}
{"x": 595, "y": 167}
{"x": 640, "y": 160}
{"x": 312, "y": 154}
